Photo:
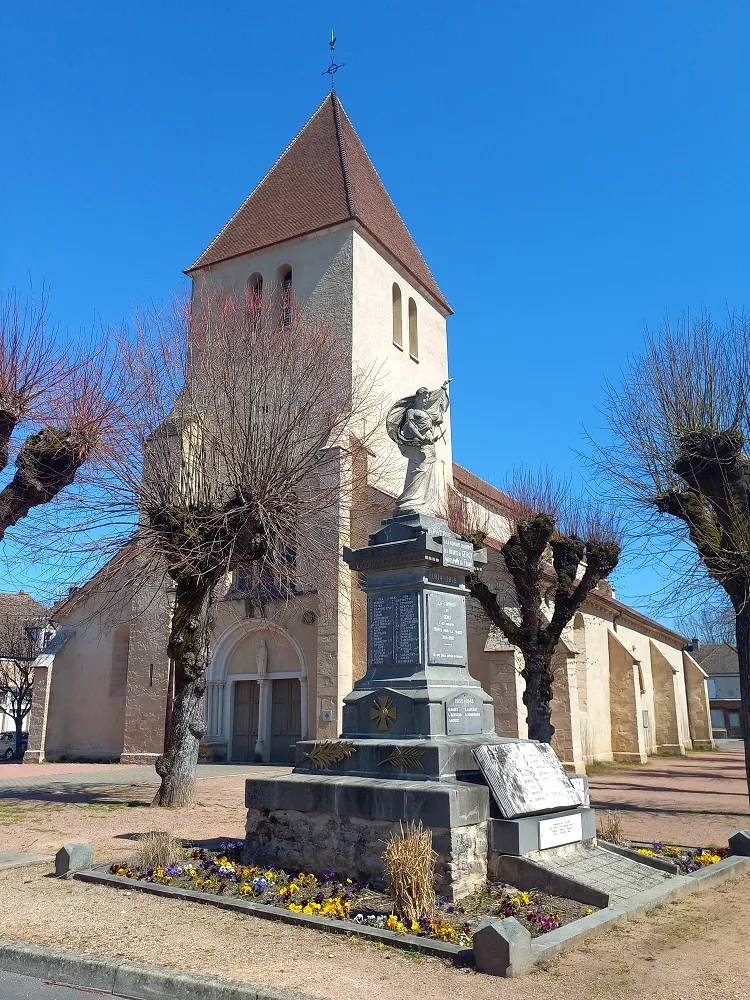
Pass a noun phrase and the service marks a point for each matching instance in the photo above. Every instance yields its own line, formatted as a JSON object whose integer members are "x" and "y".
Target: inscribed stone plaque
{"x": 458, "y": 553}
{"x": 379, "y": 629}
{"x": 406, "y": 627}
{"x": 563, "y": 830}
{"x": 393, "y": 628}
{"x": 464, "y": 715}
{"x": 446, "y": 628}
{"x": 526, "y": 777}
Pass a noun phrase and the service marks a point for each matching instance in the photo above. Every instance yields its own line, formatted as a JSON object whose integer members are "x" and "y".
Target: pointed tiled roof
{"x": 322, "y": 178}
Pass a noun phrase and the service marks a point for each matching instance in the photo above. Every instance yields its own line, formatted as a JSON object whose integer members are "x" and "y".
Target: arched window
{"x": 398, "y": 332}
{"x": 255, "y": 295}
{"x": 413, "y": 337}
{"x": 285, "y": 287}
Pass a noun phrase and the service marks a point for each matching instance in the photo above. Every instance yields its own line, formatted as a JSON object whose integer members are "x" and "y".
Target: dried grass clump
{"x": 611, "y": 829}
{"x": 410, "y": 870}
{"x": 156, "y": 849}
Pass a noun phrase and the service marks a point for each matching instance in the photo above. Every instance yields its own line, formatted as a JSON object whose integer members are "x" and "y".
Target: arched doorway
{"x": 256, "y": 696}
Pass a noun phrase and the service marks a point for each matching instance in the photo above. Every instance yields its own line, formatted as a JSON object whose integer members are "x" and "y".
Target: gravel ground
{"x": 693, "y": 800}
{"x": 695, "y": 949}
{"x": 110, "y": 818}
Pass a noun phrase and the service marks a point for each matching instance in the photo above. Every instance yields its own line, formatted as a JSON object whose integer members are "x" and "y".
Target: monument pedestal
{"x": 409, "y": 728}
{"x": 338, "y": 813}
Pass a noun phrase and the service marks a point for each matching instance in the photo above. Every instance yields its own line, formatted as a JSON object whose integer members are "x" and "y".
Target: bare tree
{"x": 238, "y": 451}
{"x": 60, "y": 397}
{"x": 680, "y": 423}
{"x": 557, "y": 553}
{"x": 21, "y": 640}
{"x": 712, "y": 621}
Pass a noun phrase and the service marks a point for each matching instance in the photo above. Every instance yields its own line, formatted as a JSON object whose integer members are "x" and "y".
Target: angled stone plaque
{"x": 526, "y": 778}
{"x": 446, "y": 628}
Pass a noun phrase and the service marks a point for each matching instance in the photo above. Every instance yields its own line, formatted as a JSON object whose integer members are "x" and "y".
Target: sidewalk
{"x": 693, "y": 800}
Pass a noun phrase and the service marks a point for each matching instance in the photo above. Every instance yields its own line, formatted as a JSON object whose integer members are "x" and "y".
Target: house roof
{"x": 717, "y": 658}
{"x": 19, "y": 612}
{"x": 22, "y": 607}
{"x": 323, "y": 178}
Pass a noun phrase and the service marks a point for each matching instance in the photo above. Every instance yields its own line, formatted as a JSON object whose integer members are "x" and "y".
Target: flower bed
{"x": 687, "y": 859}
{"x": 341, "y": 898}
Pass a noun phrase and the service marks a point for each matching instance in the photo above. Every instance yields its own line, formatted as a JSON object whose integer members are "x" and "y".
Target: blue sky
{"x": 571, "y": 171}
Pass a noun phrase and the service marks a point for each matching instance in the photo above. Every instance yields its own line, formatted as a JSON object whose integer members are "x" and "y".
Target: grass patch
{"x": 13, "y": 814}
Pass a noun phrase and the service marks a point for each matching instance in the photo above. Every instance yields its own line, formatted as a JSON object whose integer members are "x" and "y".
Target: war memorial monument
{"x": 418, "y": 740}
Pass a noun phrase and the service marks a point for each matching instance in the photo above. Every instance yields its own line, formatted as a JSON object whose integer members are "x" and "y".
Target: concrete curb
{"x": 128, "y": 979}
{"x": 407, "y": 942}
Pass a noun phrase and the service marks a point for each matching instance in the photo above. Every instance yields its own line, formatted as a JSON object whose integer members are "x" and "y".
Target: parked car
{"x": 8, "y": 745}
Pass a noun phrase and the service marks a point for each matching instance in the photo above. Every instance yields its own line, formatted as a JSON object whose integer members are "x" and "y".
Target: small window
{"x": 255, "y": 294}
{"x": 413, "y": 336}
{"x": 398, "y": 332}
{"x": 285, "y": 284}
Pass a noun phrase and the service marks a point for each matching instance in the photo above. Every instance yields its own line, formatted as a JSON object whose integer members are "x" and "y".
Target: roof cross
{"x": 334, "y": 67}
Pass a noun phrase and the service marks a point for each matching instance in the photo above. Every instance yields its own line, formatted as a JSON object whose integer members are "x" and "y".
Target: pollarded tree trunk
{"x": 188, "y": 648}
{"x": 537, "y": 695}
{"x": 743, "y": 658}
{"x": 18, "y": 720}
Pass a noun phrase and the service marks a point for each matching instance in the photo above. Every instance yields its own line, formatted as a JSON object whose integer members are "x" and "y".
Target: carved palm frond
{"x": 330, "y": 752}
{"x": 405, "y": 758}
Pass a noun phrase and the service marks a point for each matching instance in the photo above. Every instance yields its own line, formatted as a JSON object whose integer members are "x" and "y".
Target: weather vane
{"x": 334, "y": 67}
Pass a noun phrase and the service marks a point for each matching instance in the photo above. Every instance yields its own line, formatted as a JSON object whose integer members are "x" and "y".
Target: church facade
{"x": 322, "y": 224}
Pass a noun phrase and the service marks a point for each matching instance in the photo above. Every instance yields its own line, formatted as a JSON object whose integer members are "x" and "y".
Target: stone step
{"x": 598, "y": 868}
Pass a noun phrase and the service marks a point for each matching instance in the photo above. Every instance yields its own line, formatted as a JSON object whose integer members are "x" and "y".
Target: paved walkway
{"x": 19, "y": 779}
{"x": 601, "y": 869}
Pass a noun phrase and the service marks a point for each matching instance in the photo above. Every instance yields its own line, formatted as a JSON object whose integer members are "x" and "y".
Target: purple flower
{"x": 329, "y": 875}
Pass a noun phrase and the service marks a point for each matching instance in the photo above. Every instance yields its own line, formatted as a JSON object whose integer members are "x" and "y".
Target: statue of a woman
{"x": 414, "y": 423}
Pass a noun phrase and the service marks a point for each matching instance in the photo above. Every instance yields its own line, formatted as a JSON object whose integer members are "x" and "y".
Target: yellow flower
{"x": 392, "y": 922}
{"x": 295, "y": 908}
{"x": 270, "y": 875}
{"x": 414, "y": 927}
{"x": 706, "y": 858}
{"x": 646, "y": 852}
{"x": 294, "y": 887}
{"x": 588, "y": 910}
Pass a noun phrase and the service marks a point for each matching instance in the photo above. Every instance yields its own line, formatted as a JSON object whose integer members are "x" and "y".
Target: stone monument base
{"x": 530, "y": 834}
{"x": 341, "y": 815}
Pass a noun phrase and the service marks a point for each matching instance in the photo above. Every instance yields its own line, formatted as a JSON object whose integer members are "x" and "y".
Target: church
{"x": 322, "y": 224}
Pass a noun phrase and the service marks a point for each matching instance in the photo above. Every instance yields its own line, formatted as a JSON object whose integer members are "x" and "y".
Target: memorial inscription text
{"x": 393, "y": 628}
{"x": 446, "y": 636}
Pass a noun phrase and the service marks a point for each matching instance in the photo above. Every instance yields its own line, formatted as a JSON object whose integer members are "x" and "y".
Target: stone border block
{"x": 739, "y": 842}
{"x": 502, "y": 947}
{"x": 73, "y": 858}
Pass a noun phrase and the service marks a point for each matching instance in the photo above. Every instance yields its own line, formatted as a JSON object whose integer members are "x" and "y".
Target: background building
{"x": 321, "y": 225}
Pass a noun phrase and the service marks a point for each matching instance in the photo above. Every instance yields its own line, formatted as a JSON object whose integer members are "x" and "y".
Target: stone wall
{"x": 314, "y": 841}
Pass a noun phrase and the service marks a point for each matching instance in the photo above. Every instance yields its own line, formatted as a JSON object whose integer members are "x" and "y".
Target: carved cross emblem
{"x": 384, "y": 713}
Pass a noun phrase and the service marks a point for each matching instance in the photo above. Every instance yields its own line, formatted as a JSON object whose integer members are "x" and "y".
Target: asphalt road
{"x": 22, "y": 988}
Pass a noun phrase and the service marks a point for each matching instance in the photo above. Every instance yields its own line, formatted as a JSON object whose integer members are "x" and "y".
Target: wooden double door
{"x": 285, "y": 721}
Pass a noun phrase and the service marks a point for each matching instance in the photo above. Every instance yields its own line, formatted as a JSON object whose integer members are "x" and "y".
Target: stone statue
{"x": 261, "y": 659}
{"x": 414, "y": 423}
